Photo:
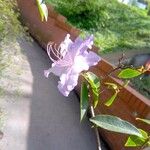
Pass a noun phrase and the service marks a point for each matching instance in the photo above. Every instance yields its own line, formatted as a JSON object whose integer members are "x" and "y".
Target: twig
{"x": 96, "y": 129}
{"x": 119, "y": 66}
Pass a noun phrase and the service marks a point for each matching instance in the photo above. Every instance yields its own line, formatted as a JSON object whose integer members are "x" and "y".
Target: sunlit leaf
{"x": 144, "y": 120}
{"x": 94, "y": 82}
{"x": 113, "y": 97}
{"x": 84, "y": 103}
{"x": 111, "y": 100}
{"x": 112, "y": 85}
{"x": 95, "y": 97}
{"x": 135, "y": 141}
{"x": 42, "y": 10}
{"x": 113, "y": 123}
{"x": 129, "y": 73}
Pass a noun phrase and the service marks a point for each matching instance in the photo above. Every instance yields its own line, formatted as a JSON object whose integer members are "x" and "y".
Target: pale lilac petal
{"x": 67, "y": 83}
{"x": 80, "y": 46}
{"x": 92, "y": 58}
{"x": 87, "y": 44}
{"x": 67, "y": 61}
{"x": 55, "y": 69}
{"x": 75, "y": 47}
{"x": 89, "y": 41}
{"x": 75, "y": 59}
{"x": 80, "y": 64}
{"x": 83, "y": 62}
{"x": 47, "y": 72}
{"x": 65, "y": 45}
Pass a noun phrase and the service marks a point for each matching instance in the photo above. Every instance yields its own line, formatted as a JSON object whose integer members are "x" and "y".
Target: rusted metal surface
{"x": 129, "y": 104}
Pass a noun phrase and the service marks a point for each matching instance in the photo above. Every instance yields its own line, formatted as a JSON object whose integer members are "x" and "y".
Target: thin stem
{"x": 120, "y": 66}
{"x": 96, "y": 129}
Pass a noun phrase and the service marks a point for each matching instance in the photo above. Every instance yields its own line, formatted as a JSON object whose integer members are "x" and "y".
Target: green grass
{"x": 116, "y": 26}
{"x": 10, "y": 30}
{"x": 10, "y": 27}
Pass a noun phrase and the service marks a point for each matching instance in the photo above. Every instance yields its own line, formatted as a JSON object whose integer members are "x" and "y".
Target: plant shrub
{"x": 115, "y": 25}
{"x": 10, "y": 26}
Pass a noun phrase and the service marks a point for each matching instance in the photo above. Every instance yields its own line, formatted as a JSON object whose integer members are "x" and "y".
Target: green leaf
{"x": 135, "y": 141}
{"x": 95, "y": 97}
{"x": 94, "y": 82}
{"x": 144, "y": 120}
{"x": 144, "y": 134}
{"x": 42, "y": 10}
{"x": 113, "y": 123}
{"x": 129, "y": 73}
{"x": 112, "y": 85}
{"x": 84, "y": 103}
{"x": 111, "y": 100}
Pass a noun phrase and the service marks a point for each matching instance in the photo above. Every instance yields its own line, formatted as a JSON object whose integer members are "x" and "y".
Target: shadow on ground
{"x": 54, "y": 120}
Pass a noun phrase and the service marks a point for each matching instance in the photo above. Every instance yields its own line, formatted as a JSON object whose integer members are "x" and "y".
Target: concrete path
{"x": 39, "y": 117}
{"x": 113, "y": 57}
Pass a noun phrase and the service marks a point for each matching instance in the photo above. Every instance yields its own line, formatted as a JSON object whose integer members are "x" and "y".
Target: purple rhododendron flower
{"x": 71, "y": 58}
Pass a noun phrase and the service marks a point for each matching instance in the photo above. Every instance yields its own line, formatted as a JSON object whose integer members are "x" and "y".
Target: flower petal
{"x": 47, "y": 72}
{"x": 80, "y": 64}
{"x": 92, "y": 58}
{"x": 65, "y": 45}
{"x": 84, "y": 61}
{"x": 67, "y": 82}
{"x": 76, "y": 58}
{"x": 89, "y": 41}
{"x": 56, "y": 69}
{"x": 80, "y": 46}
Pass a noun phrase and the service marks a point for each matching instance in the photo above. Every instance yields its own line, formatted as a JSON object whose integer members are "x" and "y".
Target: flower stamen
{"x": 52, "y": 50}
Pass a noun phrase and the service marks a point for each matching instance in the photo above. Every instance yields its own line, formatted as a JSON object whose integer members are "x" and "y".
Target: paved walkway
{"x": 114, "y": 56}
{"x": 39, "y": 117}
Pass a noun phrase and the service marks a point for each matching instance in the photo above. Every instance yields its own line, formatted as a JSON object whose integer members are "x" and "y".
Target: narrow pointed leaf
{"x": 42, "y": 10}
{"x": 113, "y": 123}
{"x": 135, "y": 141}
{"x": 95, "y": 97}
{"x": 129, "y": 73}
{"x": 111, "y": 100}
{"x": 84, "y": 103}
{"x": 144, "y": 134}
{"x": 144, "y": 120}
{"x": 112, "y": 85}
{"x": 41, "y": 13}
{"x": 94, "y": 82}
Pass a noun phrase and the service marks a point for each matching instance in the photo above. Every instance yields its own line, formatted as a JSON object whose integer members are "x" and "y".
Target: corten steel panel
{"x": 129, "y": 104}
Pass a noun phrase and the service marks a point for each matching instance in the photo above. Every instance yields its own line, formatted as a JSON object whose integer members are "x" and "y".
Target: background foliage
{"x": 10, "y": 27}
{"x": 10, "y": 30}
{"x": 115, "y": 25}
